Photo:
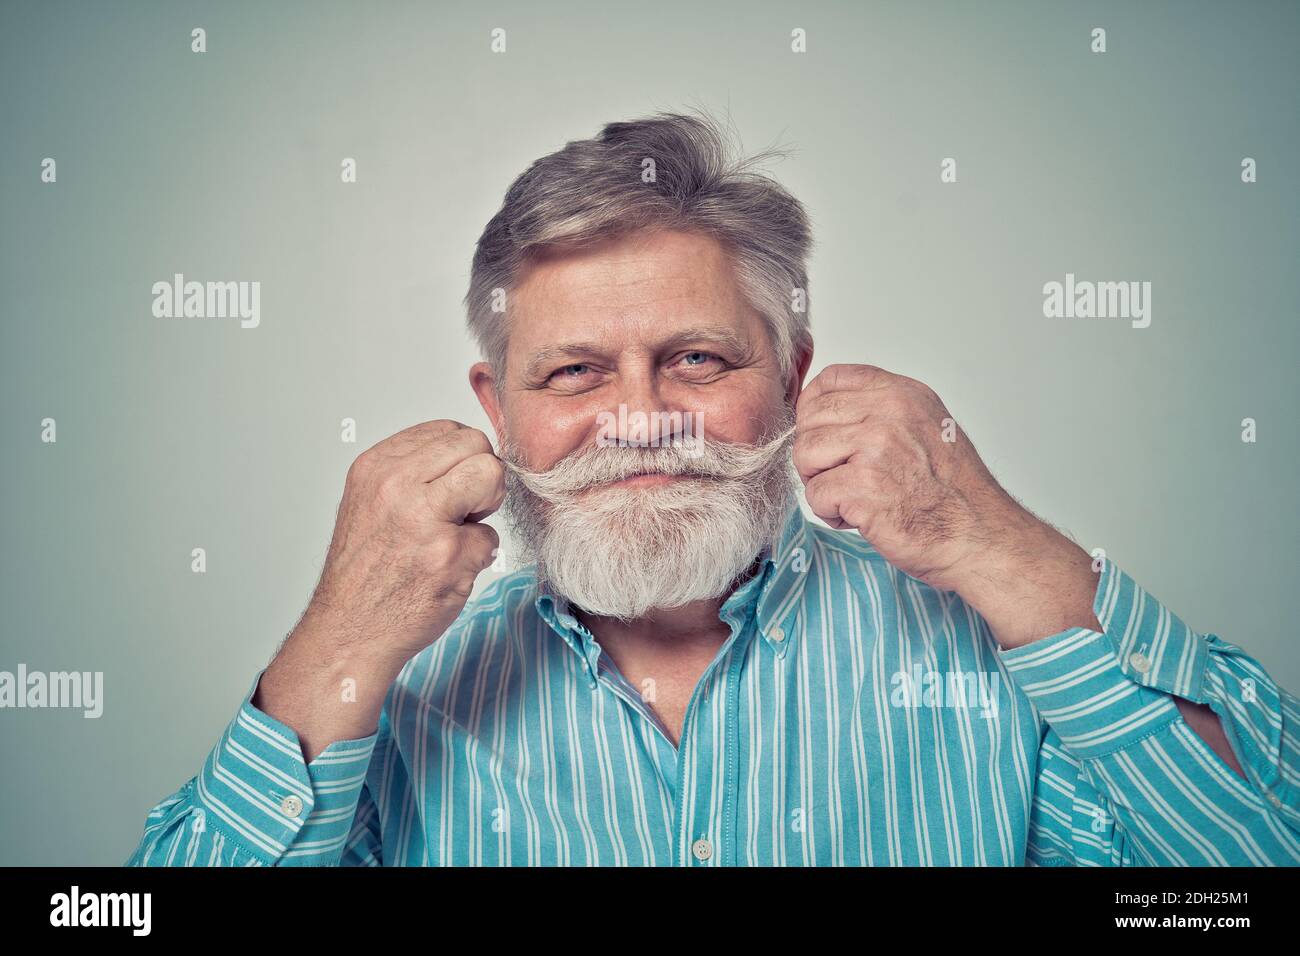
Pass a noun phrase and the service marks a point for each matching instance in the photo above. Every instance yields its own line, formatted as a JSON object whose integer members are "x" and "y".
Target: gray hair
{"x": 667, "y": 171}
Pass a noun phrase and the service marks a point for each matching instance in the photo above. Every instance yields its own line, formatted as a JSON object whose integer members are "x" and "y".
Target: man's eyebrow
{"x": 549, "y": 353}
{"x": 718, "y": 334}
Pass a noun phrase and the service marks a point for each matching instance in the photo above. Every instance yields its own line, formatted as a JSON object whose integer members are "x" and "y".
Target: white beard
{"x": 621, "y": 552}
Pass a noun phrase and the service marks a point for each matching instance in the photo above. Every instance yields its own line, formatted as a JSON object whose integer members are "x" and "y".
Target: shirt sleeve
{"x": 1122, "y": 779}
{"x": 257, "y": 802}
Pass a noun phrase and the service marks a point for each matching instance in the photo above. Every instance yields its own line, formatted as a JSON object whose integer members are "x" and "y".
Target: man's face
{"x": 654, "y": 321}
{"x": 653, "y": 325}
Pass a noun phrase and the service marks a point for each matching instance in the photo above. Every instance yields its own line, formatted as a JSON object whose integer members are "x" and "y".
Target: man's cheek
{"x": 738, "y": 418}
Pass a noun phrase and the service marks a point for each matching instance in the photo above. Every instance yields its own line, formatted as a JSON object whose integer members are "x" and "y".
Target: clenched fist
{"x": 407, "y": 543}
{"x": 879, "y": 452}
{"x": 406, "y": 549}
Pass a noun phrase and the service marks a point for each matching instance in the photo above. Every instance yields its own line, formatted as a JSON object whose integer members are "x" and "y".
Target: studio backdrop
{"x": 170, "y": 481}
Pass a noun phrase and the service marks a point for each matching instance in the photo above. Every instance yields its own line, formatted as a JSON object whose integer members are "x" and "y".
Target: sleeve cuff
{"x": 1103, "y": 691}
{"x": 257, "y": 788}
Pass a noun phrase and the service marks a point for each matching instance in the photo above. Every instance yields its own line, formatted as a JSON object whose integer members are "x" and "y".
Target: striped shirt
{"x": 854, "y": 716}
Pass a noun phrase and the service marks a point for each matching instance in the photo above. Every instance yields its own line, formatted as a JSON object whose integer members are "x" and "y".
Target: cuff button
{"x": 291, "y": 806}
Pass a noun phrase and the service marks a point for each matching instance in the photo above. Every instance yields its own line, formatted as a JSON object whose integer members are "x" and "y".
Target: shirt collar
{"x": 772, "y": 595}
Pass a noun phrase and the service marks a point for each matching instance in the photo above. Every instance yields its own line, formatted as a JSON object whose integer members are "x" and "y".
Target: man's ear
{"x": 798, "y": 372}
{"x": 483, "y": 381}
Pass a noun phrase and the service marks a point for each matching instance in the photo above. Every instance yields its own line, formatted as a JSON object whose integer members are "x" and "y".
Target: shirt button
{"x": 1272, "y": 798}
{"x": 1139, "y": 662}
{"x": 291, "y": 806}
{"x": 777, "y": 634}
{"x": 702, "y": 849}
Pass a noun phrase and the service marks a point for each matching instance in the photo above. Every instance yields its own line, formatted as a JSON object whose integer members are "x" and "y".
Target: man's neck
{"x": 664, "y": 653}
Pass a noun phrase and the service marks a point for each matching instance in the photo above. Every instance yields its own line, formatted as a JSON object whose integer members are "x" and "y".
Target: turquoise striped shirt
{"x": 854, "y": 716}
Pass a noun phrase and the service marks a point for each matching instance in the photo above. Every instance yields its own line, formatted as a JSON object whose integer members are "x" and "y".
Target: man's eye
{"x": 569, "y": 371}
{"x": 698, "y": 358}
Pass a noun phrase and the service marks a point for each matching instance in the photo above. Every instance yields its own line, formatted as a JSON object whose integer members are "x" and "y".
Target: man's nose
{"x": 645, "y": 415}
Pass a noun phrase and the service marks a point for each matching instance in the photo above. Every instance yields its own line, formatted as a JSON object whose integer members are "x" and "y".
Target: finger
{"x": 474, "y": 486}
{"x": 876, "y": 440}
{"x": 817, "y": 449}
{"x": 876, "y": 389}
{"x": 829, "y": 408}
{"x": 399, "y": 444}
{"x": 894, "y": 403}
{"x": 426, "y": 430}
{"x": 434, "y": 455}
{"x": 479, "y": 545}
{"x": 829, "y": 492}
{"x": 414, "y": 453}
{"x": 845, "y": 377}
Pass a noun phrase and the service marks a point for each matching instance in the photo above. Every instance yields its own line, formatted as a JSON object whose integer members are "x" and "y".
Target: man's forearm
{"x": 1035, "y": 583}
{"x": 322, "y": 694}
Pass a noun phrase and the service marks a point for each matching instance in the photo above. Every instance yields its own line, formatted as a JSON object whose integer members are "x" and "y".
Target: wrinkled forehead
{"x": 633, "y": 292}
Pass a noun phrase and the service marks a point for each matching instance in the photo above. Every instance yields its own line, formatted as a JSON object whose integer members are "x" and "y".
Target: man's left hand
{"x": 879, "y": 452}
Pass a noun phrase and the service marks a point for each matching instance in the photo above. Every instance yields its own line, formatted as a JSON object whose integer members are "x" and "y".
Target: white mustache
{"x": 695, "y": 458}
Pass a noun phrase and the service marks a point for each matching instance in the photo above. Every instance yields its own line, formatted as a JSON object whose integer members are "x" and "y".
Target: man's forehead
{"x": 640, "y": 288}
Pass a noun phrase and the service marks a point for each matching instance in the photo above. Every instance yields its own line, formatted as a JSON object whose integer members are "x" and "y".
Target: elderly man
{"x": 689, "y": 671}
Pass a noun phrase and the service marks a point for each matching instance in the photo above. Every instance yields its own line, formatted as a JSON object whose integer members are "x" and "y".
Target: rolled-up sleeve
{"x": 1122, "y": 778}
{"x": 257, "y": 802}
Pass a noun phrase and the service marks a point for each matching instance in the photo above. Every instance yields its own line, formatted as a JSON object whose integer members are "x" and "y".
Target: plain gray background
{"x": 176, "y": 434}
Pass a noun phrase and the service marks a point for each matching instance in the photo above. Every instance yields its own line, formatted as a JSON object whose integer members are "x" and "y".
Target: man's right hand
{"x": 408, "y": 543}
{"x": 406, "y": 550}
